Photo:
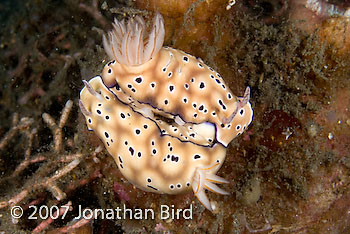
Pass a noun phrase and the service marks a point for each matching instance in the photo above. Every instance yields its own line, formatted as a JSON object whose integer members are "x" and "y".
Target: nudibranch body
{"x": 172, "y": 81}
{"x": 201, "y": 133}
{"x": 164, "y": 116}
{"x": 149, "y": 159}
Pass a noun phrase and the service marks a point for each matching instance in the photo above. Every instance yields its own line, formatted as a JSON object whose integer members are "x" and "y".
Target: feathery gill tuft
{"x": 128, "y": 44}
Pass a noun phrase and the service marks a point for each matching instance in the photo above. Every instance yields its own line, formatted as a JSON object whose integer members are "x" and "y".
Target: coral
{"x": 50, "y": 183}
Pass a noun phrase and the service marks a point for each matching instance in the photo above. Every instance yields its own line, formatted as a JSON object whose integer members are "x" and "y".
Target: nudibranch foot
{"x": 205, "y": 179}
{"x": 179, "y": 120}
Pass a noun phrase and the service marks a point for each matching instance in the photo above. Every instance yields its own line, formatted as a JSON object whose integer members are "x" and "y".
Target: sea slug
{"x": 164, "y": 116}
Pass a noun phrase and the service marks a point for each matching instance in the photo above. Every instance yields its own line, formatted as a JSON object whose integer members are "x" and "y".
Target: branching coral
{"x": 49, "y": 182}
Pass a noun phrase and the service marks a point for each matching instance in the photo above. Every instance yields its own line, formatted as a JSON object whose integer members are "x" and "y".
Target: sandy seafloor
{"x": 289, "y": 172}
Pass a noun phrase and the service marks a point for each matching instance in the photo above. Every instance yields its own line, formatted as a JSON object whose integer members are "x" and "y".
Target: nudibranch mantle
{"x": 149, "y": 160}
{"x": 199, "y": 133}
{"x": 171, "y": 80}
{"x": 164, "y": 116}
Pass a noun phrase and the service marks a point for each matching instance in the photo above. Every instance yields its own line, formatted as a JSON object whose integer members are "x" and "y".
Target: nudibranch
{"x": 149, "y": 159}
{"x": 171, "y": 81}
{"x": 164, "y": 116}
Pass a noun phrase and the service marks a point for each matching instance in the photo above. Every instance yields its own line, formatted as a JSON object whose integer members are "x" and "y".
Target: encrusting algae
{"x": 145, "y": 83}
